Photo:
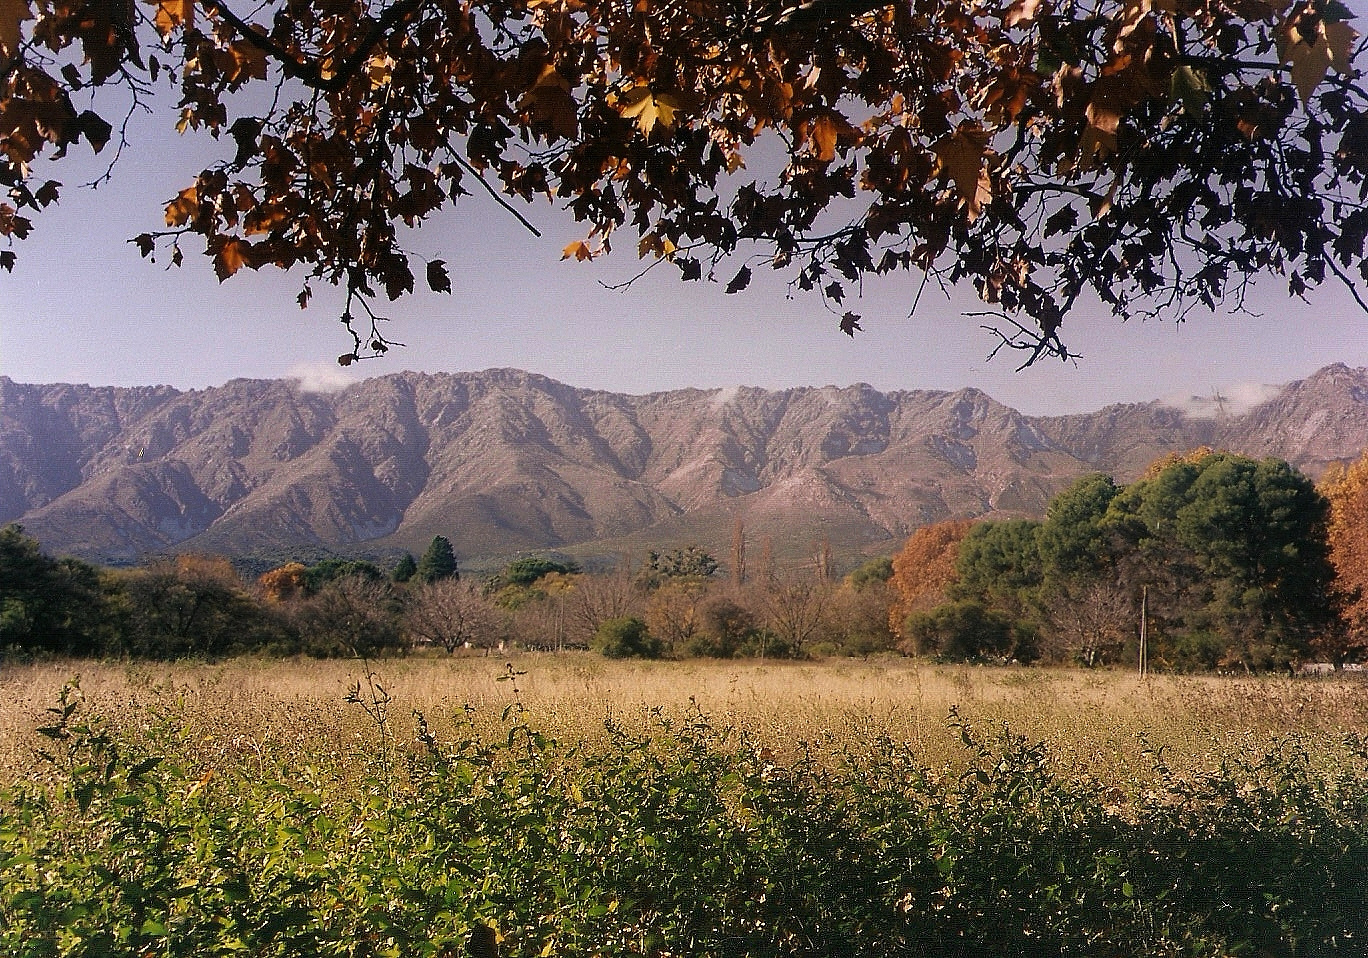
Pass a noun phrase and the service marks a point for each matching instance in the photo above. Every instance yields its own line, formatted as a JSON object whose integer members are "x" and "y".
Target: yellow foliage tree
{"x": 1347, "y": 489}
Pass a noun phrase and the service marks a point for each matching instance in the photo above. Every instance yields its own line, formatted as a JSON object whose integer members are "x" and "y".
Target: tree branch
{"x": 310, "y": 73}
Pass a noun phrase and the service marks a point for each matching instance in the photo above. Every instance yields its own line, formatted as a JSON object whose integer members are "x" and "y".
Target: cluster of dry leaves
{"x": 1155, "y": 154}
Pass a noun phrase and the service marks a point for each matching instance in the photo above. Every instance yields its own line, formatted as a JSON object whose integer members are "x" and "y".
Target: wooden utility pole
{"x": 1144, "y": 630}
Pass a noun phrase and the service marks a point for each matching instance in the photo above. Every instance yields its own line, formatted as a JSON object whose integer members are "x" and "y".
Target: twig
{"x": 494, "y": 193}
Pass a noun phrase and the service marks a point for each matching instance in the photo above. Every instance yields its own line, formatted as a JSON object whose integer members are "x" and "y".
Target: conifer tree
{"x": 405, "y": 569}
{"x": 438, "y": 562}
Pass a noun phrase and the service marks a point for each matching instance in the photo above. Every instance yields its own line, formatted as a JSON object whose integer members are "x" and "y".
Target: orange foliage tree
{"x": 1347, "y": 490}
{"x": 283, "y": 583}
{"x": 924, "y": 569}
{"x": 1155, "y": 154}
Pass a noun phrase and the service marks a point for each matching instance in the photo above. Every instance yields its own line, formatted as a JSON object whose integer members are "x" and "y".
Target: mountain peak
{"x": 505, "y": 460}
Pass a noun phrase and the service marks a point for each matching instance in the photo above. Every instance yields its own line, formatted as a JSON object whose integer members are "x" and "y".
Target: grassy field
{"x": 568, "y": 805}
{"x": 1093, "y": 720}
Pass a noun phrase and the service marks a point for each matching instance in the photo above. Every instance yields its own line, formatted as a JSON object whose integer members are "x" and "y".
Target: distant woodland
{"x": 1233, "y": 564}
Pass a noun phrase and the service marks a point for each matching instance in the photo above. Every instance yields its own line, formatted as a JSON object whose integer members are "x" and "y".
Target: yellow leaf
{"x": 578, "y": 249}
{"x": 961, "y": 158}
{"x": 1309, "y": 56}
{"x": 637, "y": 103}
{"x": 180, "y": 210}
{"x": 666, "y": 106}
{"x": 648, "y": 108}
{"x": 12, "y": 13}
{"x": 1308, "y": 63}
{"x": 173, "y": 13}
{"x": 379, "y": 69}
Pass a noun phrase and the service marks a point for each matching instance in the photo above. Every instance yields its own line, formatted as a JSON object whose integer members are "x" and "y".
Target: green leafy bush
{"x": 625, "y": 638}
{"x": 689, "y": 839}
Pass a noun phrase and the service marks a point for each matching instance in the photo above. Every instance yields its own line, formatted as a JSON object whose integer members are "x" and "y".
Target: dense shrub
{"x": 626, "y": 638}
{"x": 687, "y": 840}
{"x": 963, "y": 631}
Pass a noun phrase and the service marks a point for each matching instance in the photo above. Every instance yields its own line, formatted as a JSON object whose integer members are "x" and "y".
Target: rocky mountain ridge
{"x": 503, "y": 461}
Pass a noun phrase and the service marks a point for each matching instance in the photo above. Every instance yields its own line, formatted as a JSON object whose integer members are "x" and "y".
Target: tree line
{"x": 1234, "y": 563}
{"x": 1237, "y": 564}
{"x": 673, "y": 603}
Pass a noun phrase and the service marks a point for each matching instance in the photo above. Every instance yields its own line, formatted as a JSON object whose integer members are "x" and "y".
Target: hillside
{"x": 503, "y": 461}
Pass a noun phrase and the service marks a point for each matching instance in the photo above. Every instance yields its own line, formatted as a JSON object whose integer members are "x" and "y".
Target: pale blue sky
{"x": 82, "y": 307}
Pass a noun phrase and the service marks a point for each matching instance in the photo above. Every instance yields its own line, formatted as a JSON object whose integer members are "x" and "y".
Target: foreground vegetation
{"x": 576, "y": 806}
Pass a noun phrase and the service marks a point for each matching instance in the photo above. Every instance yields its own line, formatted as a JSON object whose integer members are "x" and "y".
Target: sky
{"x": 82, "y": 307}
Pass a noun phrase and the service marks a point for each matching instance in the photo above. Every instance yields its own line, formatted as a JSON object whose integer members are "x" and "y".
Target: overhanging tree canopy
{"x": 1156, "y": 154}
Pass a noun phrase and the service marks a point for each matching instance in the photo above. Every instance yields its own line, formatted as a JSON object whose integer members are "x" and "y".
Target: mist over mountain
{"x": 504, "y": 461}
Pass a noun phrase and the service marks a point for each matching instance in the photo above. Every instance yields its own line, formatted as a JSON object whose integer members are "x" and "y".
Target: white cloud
{"x": 320, "y": 377}
{"x": 725, "y": 396}
{"x": 1230, "y": 401}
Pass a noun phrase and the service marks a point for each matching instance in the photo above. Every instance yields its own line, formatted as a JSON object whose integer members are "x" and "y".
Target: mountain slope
{"x": 502, "y": 461}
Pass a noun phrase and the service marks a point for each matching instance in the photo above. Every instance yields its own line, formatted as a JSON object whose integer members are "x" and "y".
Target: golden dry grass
{"x": 1094, "y": 721}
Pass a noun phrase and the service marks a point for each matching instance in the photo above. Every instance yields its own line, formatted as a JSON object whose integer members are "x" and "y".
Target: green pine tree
{"x": 438, "y": 562}
{"x": 404, "y": 569}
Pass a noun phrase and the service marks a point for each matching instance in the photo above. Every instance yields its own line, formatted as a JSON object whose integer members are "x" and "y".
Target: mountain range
{"x": 505, "y": 461}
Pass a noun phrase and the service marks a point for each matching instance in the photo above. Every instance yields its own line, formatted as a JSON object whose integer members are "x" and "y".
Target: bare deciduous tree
{"x": 1089, "y": 619}
{"x": 795, "y": 610}
{"x": 452, "y": 613}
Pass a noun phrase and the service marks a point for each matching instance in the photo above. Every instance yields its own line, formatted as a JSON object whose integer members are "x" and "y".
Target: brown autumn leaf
{"x": 249, "y": 62}
{"x": 578, "y": 249}
{"x": 961, "y": 158}
{"x": 1341, "y": 38}
{"x": 96, "y": 129}
{"x": 549, "y": 105}
{"x": 232, "y": 256}
{"x": 740, "y": 281}
{"x": 12, "y": 13}
{"x": 824, "y": 137}
{"x": 183, "y": 208}
{"x": 173, "y": 13}
{"x": 439, "y": 281}
{"x": 1022, "y": 11}
{"x": 264, "y": 218}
